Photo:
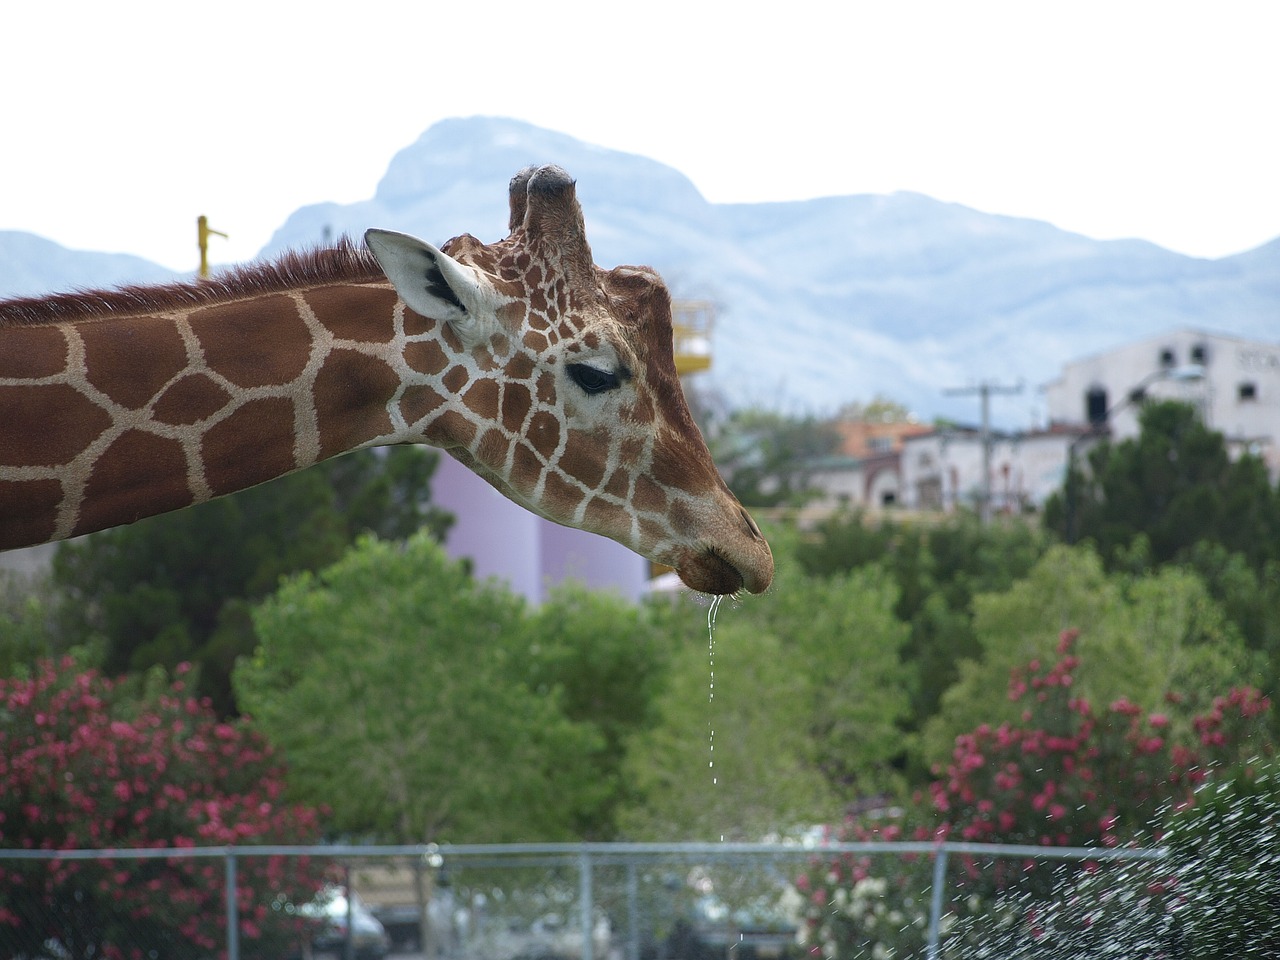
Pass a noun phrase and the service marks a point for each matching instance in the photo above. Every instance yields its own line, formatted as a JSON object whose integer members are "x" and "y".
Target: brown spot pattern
{"x": 116, "y": 347}
{"x": 29, "y": 509}
{"x": 516, "y": 402}
{"x": 492, "y": 449}
{"x": 426, "y": 356}
{"x": 451, "y": 429}
{"x": 350, "y": 399}
{"x": 526, "y": 465}
{"x": 544, "y": 433}
{"x": 262, "y": 347}
{"x": 584, "y": 458}
{"x": 118, "y": 492}
{"x": 418, "y": 404}
{"x": 649, "y": 496}
{"x": 481, "y": 398}
{"x": 456, "y": 379}
{"x": 192, "y": 399}
{"x": 33, "y": 352}
{"x": 562, "y": 494}
{"x": 65, "y": 420}
{"x": 358, "y": 314}
{"x": 252, "y": 445}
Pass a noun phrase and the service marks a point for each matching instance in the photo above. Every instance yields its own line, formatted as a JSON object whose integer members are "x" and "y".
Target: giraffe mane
{"x": 345, "y": 262}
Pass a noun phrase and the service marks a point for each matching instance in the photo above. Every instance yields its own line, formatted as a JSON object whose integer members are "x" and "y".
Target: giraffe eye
{"x": 593, "y": 379}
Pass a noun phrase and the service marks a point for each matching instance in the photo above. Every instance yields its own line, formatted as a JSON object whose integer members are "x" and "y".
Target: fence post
{"x": 935, "y": 901}
{"x": 233, "y": 909}
{"x": 587, "y": 907}
{"x": 633, "y": 912}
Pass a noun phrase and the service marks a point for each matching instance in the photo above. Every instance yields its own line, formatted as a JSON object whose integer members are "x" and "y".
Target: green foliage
{"x": 841, "y": 636}
{"x": 605, "y": 660}
{"x": 725, "y": 761}
{"x": 398, "y": 688}
{"x": 937, "y": 567}
{"x": 1176, "y": 486}
{"x": 1064, "y": 772}
{"x": 771, "y": 720}
{"x": 26, "y": 621}
{"x": 177, "y": 587}
{"x": 1140, "y": 637}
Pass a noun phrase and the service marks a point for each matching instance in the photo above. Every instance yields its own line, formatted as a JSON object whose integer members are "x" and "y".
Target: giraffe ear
{"x": 435, "y": 285}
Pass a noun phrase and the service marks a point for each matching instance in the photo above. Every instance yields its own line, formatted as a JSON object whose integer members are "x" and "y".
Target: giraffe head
{"x": 561, "y": 388}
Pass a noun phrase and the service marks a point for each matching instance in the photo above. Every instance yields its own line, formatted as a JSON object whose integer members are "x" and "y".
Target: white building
{"x": 942, "y": 470}
{"x": 1235, "y": 384}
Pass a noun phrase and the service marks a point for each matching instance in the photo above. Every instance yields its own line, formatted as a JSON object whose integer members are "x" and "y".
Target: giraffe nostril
{"x": 751, "y": 525}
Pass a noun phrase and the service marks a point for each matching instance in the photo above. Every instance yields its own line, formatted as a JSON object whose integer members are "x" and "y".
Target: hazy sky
{"x": 124, "y": 121}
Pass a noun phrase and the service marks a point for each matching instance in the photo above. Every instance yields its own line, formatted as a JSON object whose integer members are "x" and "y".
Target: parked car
{"x": 369, "y": 938}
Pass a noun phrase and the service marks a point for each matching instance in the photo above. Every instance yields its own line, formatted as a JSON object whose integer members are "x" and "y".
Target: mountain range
{"x": 820, "y": 302}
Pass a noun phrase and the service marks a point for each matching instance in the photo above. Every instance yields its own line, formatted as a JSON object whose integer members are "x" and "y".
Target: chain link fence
{"x": 587, "y": 902}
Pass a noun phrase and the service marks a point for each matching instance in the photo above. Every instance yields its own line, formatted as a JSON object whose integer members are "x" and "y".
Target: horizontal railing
{"x": 588, "y": 858}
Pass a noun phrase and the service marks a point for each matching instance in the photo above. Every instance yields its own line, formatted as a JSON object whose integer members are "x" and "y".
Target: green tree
{"x": 784, "y": 710}
{"x": 937, "y": 567}
{"x": 840, "y": 634}
{"x": 178, "y": 587}
{"x": 1140, "y": 637}
{"x": 605, "y": 660}
{"x": 27, "y": 629}
{"x": 731, "y": 757}
{"x": 1175, "y": 485}
{"x": 397, "y": 687}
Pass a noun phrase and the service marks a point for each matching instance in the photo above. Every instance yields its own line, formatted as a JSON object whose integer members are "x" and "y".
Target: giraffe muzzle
{"x": 740, "y": 560}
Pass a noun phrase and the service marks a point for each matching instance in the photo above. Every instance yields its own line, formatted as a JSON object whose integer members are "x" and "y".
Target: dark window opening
{"x": 1168, "y": 358}
{"x": 1247, "y": 391}
{"x": 1095, "y": 405}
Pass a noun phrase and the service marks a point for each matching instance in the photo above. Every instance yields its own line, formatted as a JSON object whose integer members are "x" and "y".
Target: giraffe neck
{"x": 110, "y": 420}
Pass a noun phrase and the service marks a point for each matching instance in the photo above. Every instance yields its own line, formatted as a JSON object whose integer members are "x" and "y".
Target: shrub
{"x": 1068, "y": 774}
{"x": 83, "y": 765}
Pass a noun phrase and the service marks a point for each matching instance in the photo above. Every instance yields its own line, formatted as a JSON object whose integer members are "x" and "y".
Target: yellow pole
{"x": 203, "y": 232}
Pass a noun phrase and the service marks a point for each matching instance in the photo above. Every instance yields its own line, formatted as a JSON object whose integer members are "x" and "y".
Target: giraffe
{"x": 550, "y": 377}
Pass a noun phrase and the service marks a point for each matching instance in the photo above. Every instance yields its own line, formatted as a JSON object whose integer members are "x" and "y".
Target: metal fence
{"x": 607, "y": 901}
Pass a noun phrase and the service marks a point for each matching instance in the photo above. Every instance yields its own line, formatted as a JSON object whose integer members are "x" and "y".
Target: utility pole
{"x": 984, "y": 390}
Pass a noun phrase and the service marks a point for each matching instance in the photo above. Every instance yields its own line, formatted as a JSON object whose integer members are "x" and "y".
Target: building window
{"x": 1095, "y": 406}
{"x": 1168, "y": 358}
{"x": 1199, "y": 354}
{"x": 1247, "y": 392}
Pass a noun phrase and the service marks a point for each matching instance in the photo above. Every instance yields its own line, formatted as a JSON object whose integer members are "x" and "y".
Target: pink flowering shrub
{"x": 1076, "y": 774}
{"x": 1071, "y": 773}
{"x": 84, "y": 766}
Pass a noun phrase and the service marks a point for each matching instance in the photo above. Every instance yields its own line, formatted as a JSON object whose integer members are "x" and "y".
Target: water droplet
{"x": 711, "y": 687}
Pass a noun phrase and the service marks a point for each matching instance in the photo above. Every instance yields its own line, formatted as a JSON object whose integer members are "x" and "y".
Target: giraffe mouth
{"x": 711, "y": 572}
